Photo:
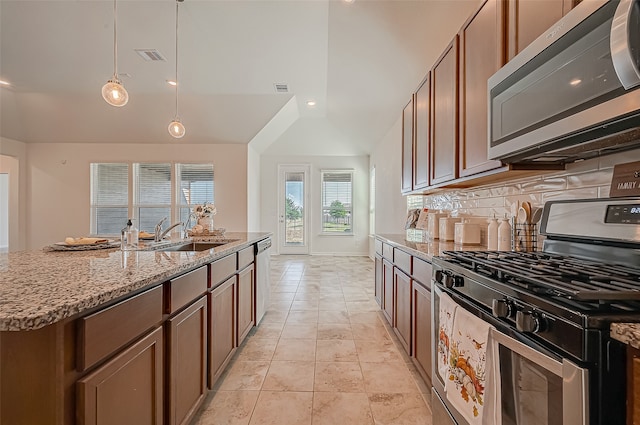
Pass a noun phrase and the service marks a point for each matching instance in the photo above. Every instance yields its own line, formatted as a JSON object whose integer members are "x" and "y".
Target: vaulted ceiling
{"x": 358, "y": 61}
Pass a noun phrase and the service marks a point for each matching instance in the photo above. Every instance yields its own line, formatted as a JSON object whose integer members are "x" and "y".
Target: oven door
{"x": 535, "y": 387}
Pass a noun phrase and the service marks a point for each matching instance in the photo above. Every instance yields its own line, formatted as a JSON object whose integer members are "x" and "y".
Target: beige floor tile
{"x": 274, "y": 316}
{"x": 332, "y": 305}
{"x": 305, "y": 305}
{"x": 400, "y": 409}
{"x": 256, "y": 349}
{"x": 334, "y": 331}
{"x": 268, "y": 330}
{"x": 289, "y": 376}
{"x": 283, "y": 408}
{"x": 244, "y": 375}
{"x": 228, "y": 408}
{"x": 295, "y": 349}
{"x": 341, "y": 408}
{"x": 280, "y": 305}
{"x": 297, "y": 317}
{"x": 388, "y": 377}
{"x": 369, "y": 332}
{"x": 338, "y": 377}
{"x": 377, "y": 351}
{"x": 334, "y": 316}
{"x": 303, "y": 330}
{"x": 367, "y": 317}
{"x": 306, "y": 296}
{"x": 336, "y": 350}
{"x": 360, "y": 306}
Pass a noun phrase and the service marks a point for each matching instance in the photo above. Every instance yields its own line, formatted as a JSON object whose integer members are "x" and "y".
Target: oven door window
{"x": 530, "y": 393}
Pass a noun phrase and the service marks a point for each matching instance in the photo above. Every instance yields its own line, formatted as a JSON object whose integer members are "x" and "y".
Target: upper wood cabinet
{"x": 481, "y": 55}
{"x": 407, "y": 147}
{"x": 444, "y": 116}
{"x": 527, "y": 20}
{"x": 422, "y": 100}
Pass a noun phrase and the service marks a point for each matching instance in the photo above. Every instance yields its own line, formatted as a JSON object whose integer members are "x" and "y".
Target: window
{"x": 146, "y": 192}
{"x": 337, "y": 202}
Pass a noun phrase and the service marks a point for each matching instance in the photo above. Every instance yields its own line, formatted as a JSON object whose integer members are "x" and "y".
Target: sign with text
{"x": 625, "y": 180}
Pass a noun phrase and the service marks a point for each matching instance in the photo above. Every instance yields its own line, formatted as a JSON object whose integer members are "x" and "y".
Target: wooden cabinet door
{"x": 444, "y": 116}
{"x": 633, "y": 386}
{"x": 527, "y": 20}
{"x": 222, "y": 327}
{"x": 422, "y": 355}
{"x": 481, "y": 55}
{"x": 246, "y": 297}
{"x": 422, "y": 129}
{"x": 402, "y": 297}
{"x": 187, "y": 362}
{"x": 126, "y": 390}
{"x": 387, "y": 290}
{"x": 407, "y": 147}
{"x": 378, "y": 280}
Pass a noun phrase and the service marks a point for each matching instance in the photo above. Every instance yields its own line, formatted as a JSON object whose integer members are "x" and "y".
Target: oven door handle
{"x": 575, "y": 397}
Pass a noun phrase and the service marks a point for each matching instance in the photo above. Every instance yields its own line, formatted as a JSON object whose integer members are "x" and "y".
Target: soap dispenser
{"x": 129, "y": 236}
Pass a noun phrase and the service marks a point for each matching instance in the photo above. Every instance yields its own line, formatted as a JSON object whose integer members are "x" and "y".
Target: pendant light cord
{"x": 177, "y": 3}
{"x": 115, "y": 39}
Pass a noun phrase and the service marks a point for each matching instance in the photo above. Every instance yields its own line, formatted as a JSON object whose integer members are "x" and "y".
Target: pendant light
{"x": 176, "y": 128}
{"x": 114, "y": 92}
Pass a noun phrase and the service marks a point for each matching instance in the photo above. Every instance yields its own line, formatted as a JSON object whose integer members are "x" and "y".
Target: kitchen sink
{"x": 195, "y": 246}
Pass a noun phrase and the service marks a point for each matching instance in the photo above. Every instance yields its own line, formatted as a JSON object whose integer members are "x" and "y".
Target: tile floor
{"x": 322, "y": 355}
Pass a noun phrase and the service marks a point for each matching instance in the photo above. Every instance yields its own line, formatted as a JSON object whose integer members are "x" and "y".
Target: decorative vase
{"x": 206, "y": 223}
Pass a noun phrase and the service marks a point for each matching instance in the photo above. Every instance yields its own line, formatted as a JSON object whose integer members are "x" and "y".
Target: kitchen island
{"x": 72, "y": 321}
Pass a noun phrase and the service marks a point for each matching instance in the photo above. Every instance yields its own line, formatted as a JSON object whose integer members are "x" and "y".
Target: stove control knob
{"x": 448, "y": 280}
{"x": 502, "y": 309}
{"x": 458, "y": 281}
{"x": 439, "y": 276}
{"x": 528, "y": 321}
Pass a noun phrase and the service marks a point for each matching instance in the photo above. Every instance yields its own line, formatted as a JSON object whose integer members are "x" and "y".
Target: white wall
{"x": 391, "y": 206}
{"x": 357, "y": 244}
{"x": 13, "y": 159}
{"x": 253, "y": 190}
{"x": 59, "y": 193}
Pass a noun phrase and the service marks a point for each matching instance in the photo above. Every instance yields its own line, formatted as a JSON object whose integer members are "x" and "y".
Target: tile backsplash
{"x": 582, "y": 180}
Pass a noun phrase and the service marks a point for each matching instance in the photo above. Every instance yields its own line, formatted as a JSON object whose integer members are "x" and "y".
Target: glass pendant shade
{"x": 114, "y": 93}
{"x": 176, "y": 129}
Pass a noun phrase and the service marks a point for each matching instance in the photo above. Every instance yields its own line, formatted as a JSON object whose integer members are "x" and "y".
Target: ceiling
{"x": 359, "y": 61}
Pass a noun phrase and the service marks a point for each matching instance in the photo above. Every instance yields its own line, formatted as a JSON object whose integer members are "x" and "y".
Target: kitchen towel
{"x": 446, "y": 312}
{"x": 470, "y": 370}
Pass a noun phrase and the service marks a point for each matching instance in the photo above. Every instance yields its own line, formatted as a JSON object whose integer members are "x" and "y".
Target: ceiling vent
{"x": 150, "y": 55}
{"x": 281, "y": 87}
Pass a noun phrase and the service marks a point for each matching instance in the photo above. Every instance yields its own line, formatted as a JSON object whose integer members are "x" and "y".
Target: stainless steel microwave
{"x": 573, "y": 93}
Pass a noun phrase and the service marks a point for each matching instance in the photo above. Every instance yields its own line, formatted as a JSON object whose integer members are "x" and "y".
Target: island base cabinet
{"x": 127, "y": 390}
{"x": 187, "y": 361}
{"x": 246, "y": 311}
{"x": 222, "y": 331}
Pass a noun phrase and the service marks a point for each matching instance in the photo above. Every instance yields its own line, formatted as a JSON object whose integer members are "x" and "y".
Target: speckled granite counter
{"x": 39, "y": 288}
{"x": 418, "y": 245}
{"x": 629, "y": 333}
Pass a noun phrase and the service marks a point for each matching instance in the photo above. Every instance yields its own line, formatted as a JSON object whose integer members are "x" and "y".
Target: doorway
{"x": 293, "y": 209}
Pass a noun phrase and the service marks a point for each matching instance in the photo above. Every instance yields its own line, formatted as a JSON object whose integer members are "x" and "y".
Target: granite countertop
{"x": 629, "y": 333}
{"x": 417, "y": 244}
{"x": 38, "y": 288}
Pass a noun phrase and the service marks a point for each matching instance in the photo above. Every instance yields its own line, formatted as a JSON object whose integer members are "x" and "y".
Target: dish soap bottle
{"x": 504, "y": 235}
{"x": 492, "y": 234}
{"x": 129, "y": 237}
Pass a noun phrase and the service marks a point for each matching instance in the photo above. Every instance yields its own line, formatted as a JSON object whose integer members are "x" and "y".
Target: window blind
{"x": 195, "y": 186}
{"x": 152, "y": 194}
{"x": 109, "y": 197}
{"x": 337, "y": 201}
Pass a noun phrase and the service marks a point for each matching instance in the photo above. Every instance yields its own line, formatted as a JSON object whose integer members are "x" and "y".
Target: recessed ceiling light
{"x": 311, "y": 103}
{"x": 4, "y": 83}
{"x": 349, "y": 1}
{"x": 172, "y": 83}
{"x": 575, "y": 82}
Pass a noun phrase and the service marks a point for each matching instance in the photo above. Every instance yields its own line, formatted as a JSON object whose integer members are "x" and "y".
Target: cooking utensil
{"x": 524, "y": 219}
{"x": 536, "y": 215}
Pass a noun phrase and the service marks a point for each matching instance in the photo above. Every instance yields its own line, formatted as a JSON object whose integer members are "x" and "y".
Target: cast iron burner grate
{"x": 554, "y": 275}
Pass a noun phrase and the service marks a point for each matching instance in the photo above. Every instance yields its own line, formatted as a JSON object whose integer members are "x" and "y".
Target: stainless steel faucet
{"x": 159, "y": 234}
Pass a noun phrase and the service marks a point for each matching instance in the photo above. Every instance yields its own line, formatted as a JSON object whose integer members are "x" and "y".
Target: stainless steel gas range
{"x": 549, "y": 358}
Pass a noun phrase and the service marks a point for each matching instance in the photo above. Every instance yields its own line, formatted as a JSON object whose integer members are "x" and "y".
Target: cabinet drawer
{"x": 221, "y": 269}
{"x": 387, "y": 251}
{"x": 422, "y": 271}
{"x": 402, "y": 260}
{"x": 182, "y": 290}
{"x": 246, "y": 256}
{"x": 378, "y": 247}
{"x": 105, "y": 331}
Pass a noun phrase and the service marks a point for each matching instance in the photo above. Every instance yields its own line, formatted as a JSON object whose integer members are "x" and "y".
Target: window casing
{"x": 146, "y": 192}
{"x": 337, "y": 202}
